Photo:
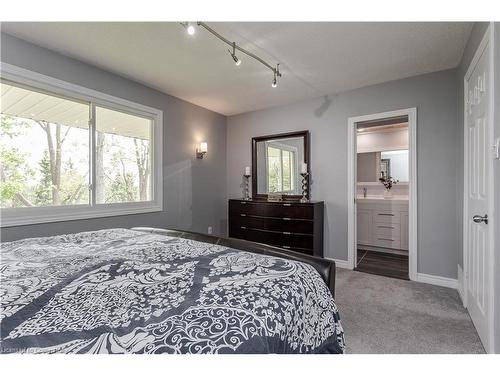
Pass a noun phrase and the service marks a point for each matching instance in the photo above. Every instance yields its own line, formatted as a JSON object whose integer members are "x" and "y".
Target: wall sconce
{"x": 201, "y": 150}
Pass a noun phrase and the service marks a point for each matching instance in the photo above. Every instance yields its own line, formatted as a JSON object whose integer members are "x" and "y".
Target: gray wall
{"x": 433, "y": 94}
{"x": 194, "y": 190}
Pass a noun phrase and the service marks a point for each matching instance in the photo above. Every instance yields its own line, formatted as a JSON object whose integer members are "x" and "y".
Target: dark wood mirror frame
{"x": 307, "y": 159}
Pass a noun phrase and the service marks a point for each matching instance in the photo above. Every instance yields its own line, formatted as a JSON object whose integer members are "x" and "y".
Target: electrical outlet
{"x": 209, "y": 230}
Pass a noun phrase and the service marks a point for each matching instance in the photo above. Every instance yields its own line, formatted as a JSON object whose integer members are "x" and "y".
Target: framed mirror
{"x": 390, "y": 163}
{"x": 277, "y": 161}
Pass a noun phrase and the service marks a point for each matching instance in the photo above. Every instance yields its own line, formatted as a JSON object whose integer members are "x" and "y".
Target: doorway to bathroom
{"x": 382, "y": 194}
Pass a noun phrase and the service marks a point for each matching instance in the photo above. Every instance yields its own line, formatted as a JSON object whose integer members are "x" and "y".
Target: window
{"x": 44, "y": 149}
{"x": 281, "y": 167}
{"x": 68, "y": 152}
{"x": 123, "y": 165}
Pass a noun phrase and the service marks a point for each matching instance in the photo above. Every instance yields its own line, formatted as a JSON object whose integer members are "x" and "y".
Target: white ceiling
{"x": 316, "y": 58}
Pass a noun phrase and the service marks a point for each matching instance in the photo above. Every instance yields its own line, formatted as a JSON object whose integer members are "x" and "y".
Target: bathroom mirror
{"x": 277, "y": 161}
{"x": 373, "y": 165}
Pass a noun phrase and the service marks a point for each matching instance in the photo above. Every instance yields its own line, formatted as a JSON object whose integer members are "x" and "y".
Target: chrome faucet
{"x": 364, "y": 192}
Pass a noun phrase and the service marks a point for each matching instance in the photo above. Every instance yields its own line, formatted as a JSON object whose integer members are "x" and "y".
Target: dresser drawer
{"x": 380, "y": 216}
{"x": 289, "y": 210}
{"x": 277, "y": 224}
{"x": 387, "y": 230}
{"x": 282, "y": 210}
{"x": 386, "y": 241}
{"x": 238, "y": 207}
{"x": 290, "y": 225}
{"x": 287, "y": 241}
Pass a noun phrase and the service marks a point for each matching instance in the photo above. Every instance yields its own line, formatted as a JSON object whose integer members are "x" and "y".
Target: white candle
{"x": 247, "y": 171}
{"x": 304, "y": 168}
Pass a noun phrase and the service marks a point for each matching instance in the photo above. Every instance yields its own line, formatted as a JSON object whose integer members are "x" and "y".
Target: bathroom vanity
{"x": 382, "y": 223}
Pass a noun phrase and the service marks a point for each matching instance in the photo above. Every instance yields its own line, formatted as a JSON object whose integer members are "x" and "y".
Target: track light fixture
{"x": 276, "y": 70}
{"x": 233, "y": 55}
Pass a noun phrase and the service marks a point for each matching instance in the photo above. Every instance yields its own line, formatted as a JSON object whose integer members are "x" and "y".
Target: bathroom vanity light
{"x": 201, "y": 150}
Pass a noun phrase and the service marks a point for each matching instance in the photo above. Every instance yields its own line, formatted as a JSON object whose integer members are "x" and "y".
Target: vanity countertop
{"x": 380, "y": 198}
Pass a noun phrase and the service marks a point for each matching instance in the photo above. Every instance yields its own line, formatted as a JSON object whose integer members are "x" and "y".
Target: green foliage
{"x": 28, "y": 182}
{"x": 11, "y": 126}
{"x": 122, "y": 189}
{"x": 12, "y": 181}
{"x": 74, "y": 186}
{"x": 43, "y": 190}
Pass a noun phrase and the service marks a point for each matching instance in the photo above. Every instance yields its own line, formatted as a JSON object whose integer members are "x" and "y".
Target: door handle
{"x": 480, "y": 219}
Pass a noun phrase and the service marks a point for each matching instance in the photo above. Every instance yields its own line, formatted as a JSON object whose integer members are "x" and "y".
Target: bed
{"x": 146, "y": 290}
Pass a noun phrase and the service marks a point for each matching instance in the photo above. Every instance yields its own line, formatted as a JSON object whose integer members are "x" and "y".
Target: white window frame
{"x": 33, "y": 215}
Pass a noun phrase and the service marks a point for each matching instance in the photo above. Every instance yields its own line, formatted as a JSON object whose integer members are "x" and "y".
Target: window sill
{"x": 38, "y": 215}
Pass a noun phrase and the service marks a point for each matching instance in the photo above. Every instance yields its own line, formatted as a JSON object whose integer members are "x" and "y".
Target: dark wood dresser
{"x": 290, "y": 225}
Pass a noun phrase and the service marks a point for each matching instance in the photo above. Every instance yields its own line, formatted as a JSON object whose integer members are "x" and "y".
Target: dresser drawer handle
{"x": 243, "y": 215}
{"x": 286, "y": 232}
{"x": 243, "y": 227}
{"x": 285, "y": 247}
{"x": 287, "y": 218}
{"x": 386, "y": 214}
{"x": 386, "y": 239}
{"x": 287, "y": 204}
{"x": 243, "y": 202}
{"x": 384, "y": 226}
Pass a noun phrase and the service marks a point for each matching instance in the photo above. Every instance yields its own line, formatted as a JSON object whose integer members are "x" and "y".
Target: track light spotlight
{"x": 190, "y": 29}
{"x": 275, "y": 83}
{"x": 233, "y": 55}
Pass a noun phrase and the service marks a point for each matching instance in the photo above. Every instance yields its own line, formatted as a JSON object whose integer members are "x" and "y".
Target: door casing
{"x": 412, "y": 185}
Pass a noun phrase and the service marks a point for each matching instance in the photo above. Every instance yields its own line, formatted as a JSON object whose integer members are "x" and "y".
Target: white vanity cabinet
{"x": 382, "y": 223}
{"x": 364, "y": 227}
{"x": 404, "y": 230}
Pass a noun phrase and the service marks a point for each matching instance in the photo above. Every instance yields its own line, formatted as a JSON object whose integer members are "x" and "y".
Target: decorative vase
{"x": 387, "y": 194}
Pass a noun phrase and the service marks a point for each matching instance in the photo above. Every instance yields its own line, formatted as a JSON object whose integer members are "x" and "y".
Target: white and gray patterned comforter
{"x": 125, "y": 291}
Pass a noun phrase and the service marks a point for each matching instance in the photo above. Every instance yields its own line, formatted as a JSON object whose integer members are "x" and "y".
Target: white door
{"x": 477, "y": 117}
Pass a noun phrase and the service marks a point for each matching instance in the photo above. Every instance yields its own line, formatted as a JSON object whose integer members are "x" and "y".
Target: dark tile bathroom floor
{"x": 391, "y": 265}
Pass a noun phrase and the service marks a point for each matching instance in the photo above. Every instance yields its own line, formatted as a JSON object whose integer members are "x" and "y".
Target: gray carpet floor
{"x": 386, "y": 315}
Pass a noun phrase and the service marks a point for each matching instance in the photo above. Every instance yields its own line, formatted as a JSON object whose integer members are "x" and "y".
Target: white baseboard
{"x": 461, "y": 289}
{"x": 341, "y": 263}
{"x": 421, "y": 277}
{"x": 437, "y": 280}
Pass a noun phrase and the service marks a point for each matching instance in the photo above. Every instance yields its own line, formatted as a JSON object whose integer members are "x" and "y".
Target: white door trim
{"x": 412, "y": 185}
{"x": 487, "y": 41}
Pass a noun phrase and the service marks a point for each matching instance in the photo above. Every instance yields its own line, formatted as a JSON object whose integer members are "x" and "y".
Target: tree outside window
{"x": 45, "y": 152}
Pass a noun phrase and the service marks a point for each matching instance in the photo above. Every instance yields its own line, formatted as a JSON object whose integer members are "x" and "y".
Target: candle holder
{"x": 305, "y": 188}
{"x": 246, "y": 188}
